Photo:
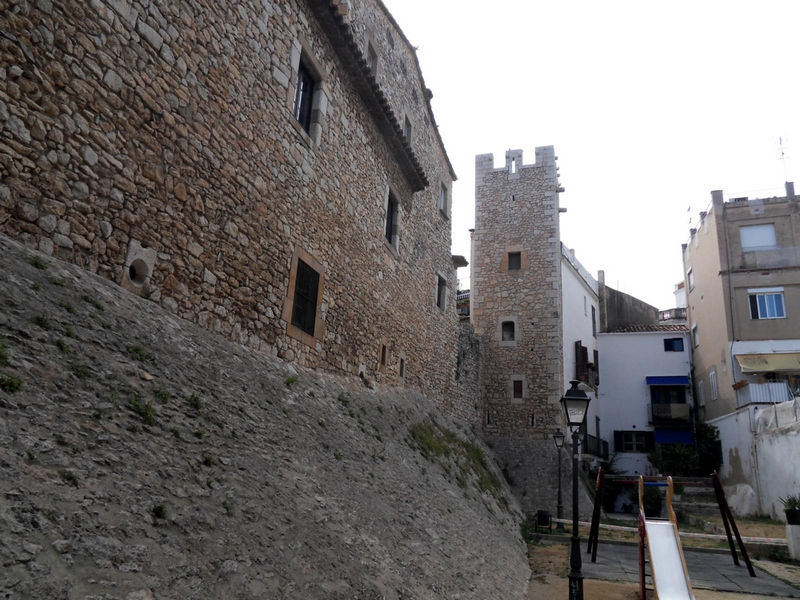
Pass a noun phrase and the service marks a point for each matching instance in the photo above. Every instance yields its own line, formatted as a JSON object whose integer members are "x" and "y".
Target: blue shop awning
{"x": 668, "y": 380}
{"x": 674, "y": 436}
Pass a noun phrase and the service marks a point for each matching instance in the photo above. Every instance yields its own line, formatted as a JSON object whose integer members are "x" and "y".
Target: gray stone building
{"x": 515, "y": 307}
{"x": 270, "y": 170}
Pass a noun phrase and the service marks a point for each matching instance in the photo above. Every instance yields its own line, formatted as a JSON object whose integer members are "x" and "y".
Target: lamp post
{"x": 575, "y": 403}
{"x": 558, "y": 440}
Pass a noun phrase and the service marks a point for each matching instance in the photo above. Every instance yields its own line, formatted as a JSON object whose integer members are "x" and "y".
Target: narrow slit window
{"x": 402, "y": 367}
{"x": 372, "y": 59}
{"x": 304, "y": 310}
{"x": 303, "y": 96}
{"x": 441, "y": 292}
{"x": 407, "y": 129}
{"x": 383, "y": 354}
{"x": 443, "y": 199}
{"x": 391, "y": 220}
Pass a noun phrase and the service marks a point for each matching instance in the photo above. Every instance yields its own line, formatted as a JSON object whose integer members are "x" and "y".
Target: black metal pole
{"x": 560, "y": 507}
{"x": 575, "y": 575}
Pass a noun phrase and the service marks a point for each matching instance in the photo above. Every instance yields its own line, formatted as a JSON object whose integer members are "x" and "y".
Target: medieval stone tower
{"x": 515, "y": 298}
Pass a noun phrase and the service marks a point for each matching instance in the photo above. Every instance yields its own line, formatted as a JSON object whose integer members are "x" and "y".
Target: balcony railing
{"x": 763, "y": 393}
{"x": 669, "y": 414}
{"x": 595, "y": 446}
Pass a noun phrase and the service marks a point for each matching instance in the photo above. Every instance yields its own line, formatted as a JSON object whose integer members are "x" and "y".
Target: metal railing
{"x": 595, "y": 446}
{"x": 763, "y": 393}
{"x": 669, "y": 413}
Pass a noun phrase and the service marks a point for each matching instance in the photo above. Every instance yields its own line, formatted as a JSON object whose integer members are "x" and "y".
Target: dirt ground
{"x": 549, "y": 570}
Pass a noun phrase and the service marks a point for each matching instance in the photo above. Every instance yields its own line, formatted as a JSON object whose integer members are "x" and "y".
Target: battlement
{"x": 545, "y": 159}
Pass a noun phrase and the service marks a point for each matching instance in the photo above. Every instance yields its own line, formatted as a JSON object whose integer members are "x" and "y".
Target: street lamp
{"x": 558, "y": 440}
{"x": 575, "y": 403}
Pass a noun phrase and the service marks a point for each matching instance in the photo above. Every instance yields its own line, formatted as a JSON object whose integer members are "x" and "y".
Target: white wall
{"x": 626, "y": 359}
{"x": 579, "y": 295}
{"x": 760, "y": 457}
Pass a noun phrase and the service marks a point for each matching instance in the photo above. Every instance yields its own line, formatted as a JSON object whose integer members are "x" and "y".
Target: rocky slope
{"x": 143, "y": 457}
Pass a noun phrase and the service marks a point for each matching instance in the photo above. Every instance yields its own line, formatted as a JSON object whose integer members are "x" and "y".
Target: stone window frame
{"x": 408, "y": 128}
{"x": 392, "y": 244}
{"x": 441, "y": 284}
{"x": 319, "y": 321}
{"x": 508, "y": 343}
{"x": 383, "y": 354}
{"x": 510, "y": 388}
{"x": 371, "y": 53}
{"x": 524, "y": 259}
{"x": 444, "y": 200}
{"x": 402, "y": 367}
{"x": 300, "y": 51}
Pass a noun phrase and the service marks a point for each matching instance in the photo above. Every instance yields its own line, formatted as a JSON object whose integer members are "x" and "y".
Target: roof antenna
{"x": 783, "y": 159}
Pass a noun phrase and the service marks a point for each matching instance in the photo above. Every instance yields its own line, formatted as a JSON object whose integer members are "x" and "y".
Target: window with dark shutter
{"x": 306, "y": 286}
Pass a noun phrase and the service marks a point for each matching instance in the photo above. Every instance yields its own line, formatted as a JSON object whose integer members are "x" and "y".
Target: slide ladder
{"x": 667, "y": 563}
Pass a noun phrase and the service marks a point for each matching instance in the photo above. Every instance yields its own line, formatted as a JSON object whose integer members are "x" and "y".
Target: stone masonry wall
{"x": 162, "y": 132}
{"x": 516, "y": 210}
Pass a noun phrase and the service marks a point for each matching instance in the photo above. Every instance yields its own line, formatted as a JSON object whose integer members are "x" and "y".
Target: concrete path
{"x": 707, "y": 570}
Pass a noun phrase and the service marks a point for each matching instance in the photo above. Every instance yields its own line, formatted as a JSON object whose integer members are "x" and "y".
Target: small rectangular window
{"x": 303, "y": 96}
{"x": 391, "y": 221}
{"x": 695, "y": 337}
{"x": 443, "y": 199}
{"x": 407, "y": 129}
{"x": 441, "y": 292}
{"x": 306, "y": 287}
{"x": 673, "y": 345}
{"x": 517, "y": 388}
{"x": 508, "y": 331}
{"x": 690, "y": 277}
{"x": 514, "y": 261}
{"x": 767, "y": 306}
{"x": 372, "y": 59}
{"x": 402, "y": 367}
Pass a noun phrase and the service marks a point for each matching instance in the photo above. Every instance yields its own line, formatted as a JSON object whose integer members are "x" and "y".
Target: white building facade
{"x": 645, "y": 392}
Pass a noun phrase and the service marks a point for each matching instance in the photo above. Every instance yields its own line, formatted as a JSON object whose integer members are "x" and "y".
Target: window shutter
{"x": 580, "y": 364}
{"x": 585, "y": 362}
{"x": 617, "y": 441}
{"x": 596, "y": 367}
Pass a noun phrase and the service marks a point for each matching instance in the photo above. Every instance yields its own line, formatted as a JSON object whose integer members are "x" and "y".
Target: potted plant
{"x": 791, "y": 506}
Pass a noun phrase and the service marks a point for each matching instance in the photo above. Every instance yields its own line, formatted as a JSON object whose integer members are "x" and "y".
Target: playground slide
{"x": 667, "y": 563}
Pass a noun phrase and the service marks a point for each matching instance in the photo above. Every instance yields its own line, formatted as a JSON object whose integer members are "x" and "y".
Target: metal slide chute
{"x": 667, "y": 563}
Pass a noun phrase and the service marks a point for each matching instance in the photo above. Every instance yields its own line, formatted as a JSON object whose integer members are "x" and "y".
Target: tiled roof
{"x": 664, "y": 327}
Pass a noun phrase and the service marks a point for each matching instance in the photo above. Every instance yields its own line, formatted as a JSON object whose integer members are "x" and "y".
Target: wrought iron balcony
{"x": 670, "y": 414}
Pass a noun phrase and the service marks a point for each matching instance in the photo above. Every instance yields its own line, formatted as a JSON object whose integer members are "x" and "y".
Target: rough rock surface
{"x": 144, "y": 457}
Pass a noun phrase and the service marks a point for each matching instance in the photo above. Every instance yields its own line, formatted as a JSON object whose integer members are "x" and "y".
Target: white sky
{"x": 650, "y": 106}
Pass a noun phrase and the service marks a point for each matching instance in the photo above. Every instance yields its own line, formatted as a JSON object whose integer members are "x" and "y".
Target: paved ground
{"x": 707, "y": 570}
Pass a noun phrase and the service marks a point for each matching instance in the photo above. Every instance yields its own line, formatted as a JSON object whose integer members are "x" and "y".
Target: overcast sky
{"x": 650, "y": 106}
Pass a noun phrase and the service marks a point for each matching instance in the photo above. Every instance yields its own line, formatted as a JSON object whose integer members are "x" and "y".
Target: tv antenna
{"x": 783, "y": 159}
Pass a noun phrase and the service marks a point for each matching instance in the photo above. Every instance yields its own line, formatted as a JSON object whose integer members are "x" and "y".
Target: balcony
{"x": 594, "y": 446}
{"x": 763, "y": 393}
{"x": 670, "y": 414}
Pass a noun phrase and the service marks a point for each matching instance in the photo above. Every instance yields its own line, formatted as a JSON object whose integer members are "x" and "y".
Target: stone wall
{"x": 144, "y": 457}
{"x": 618, "y": 309}
{"x": 464, "y": 400}
{"x": 516, "y": 211}
{"x": 154, "y": 143}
